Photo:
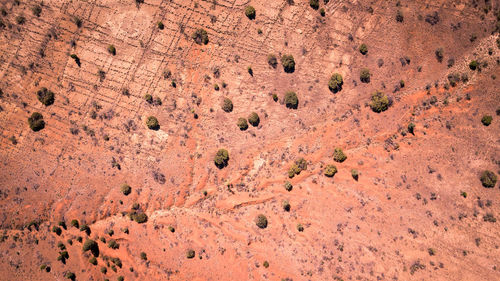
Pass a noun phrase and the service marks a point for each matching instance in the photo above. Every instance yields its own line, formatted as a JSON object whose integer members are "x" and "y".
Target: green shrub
{"x": 113, "y": 244}
{"x": 291, "y": 100}
{"x": 70, "y": 275}
{"x": 363, "y": 49}
{"x": 330, "y": 170}
{"x": 120, "y": 278}
{"x": 161, "y": 26}
{"x": 254, "y": 119}
{"x": 314, "y": 4}
{"x": 144, "y": 257}
{"x": 75, "y": 224}
{"x": 265, "y": 264}
{"x": 20, "y": 20}
{"x": 138, "y": 217}
{"x": 431, "y": 251}
{"x": 261, "y": 221}
{"x": 117, "y": 261}
{"x": 399, "y": 16}
{"x": 171, "y": 228}
{"x": 227, "y": 105}
{"x": 300, "y": 227}
{"x": 379, "y": 102}
{"x": 104, "y": 270}
{"x": 250, "y": 70}
{"x": 242, "y": 124}
{"x": 92, "y": 246}
{"x": 402, "y": 83}
{"x": 286, "y": 205}
{"x": 93, "y": 260}
{"x": 488, "y": 179}
{"x": 126, "y": 189}
{"x": 112, "y": 49}
{"x": 200, "y": 36}
{"x": 77, "y": 59}
{"x": 216, "y": 87}
{"x": 37, "y": 10}
{"x": 338, "y": 155}
{"x": 489, "y": 217}
{"x": 272, "y": 60}
{"x": 299, "y": 165}
{"x": 152, "y": 123}
{"x": 439, "y": 54}
{"x": 486, "y": 120}
{"x": 473, "y": 65}
{"x": 364, "y": 75}
{"x": 221, "y": 158}
{"x": 335, "y": 83}
{"x": 322, "y": 12}
{"x": 411, "y": 128}
{"x": 288, "y": 63}
{"x": 148, "y": 98}
{"x": 250, "y": 12}
{"x": 56, "y": 230}
{"x": 190, "y": 253}
{"x": 355, "y": 174}
{"x": 288, "y": 186}
{"x": 36, "y": 121}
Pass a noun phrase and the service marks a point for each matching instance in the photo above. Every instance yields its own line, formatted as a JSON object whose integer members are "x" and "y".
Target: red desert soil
{"x": 417, "y": 211}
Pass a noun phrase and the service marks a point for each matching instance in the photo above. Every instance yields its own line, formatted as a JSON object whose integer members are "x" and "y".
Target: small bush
{"x": 93, "y": 260}
{"x": 335, "y": 83}
{"x": 379, "y": 102}
{"x": 272, "y": 60}
{"x": 265, "y": 264}
{"x": 36, "y": 121}
{"x": 254, "y": 119}
{"x": 486, "y": 120}
{"x": 314, "y": 4}
{"x": 275, "y": 97}
{"x": 144, "y": 257}
{"x": 242, "y": 124}
{"x": 364, "y": 75}
{"x": 92, "y": 246}
{"x": 489, "y": 218}
{"x": 152, "y": 123}
{"x": 112, "y": 49}
{"x": 126, "y": 189}
{"x": 56, "y": 230}
{"x": 227, "y": 105}
{"x": 171, "y": 228}
{"x": 200, "y": 36}
{"x": 300, "y": 227}
{"x": 363, "y": 49}
{"x": 411, "y": 128}
{"x": 77, "y": 59}
{"x": 138, "y": 217}
{"x": 488, "y": 179}
{"x": 148, "y": 98}
{"x": 20, "y": 20}
{"x": 286, "y": 205}
{"x": 322, "y": 12}
{"x": 190, "y": 254}
{"x": 399, "y": 16}
{"x": 473, "y": 65}
{"x": 161, "y": 26}
{"x": 261, "y": 221}
{"x": 221, "y": 158}
{"x": 75, "y": 224}
{"x": 288, "y": 186}
{"x": 250, "y": 12}
{"x": 431, "y": 252}
{"x": 338, "y": 155}
{"x": 355, "y": 174}
{"x": 291, "y": 100}
{"x": 330, "y": 170}
{"x": 85, "y": 228}
{"x": 37, "y": 10}
{"x": 120, "y": 278}
{"x": 439, "y": 54}
{"x": 288, "y": 63}
{"x": 113, "y": 244}
{"x": 70, "y": 275}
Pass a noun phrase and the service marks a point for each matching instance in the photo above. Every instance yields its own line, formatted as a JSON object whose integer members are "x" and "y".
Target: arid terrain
{"x": 129, "y": 149}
